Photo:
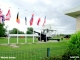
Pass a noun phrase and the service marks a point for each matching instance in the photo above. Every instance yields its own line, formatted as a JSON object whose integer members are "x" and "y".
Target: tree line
{"x": 13, "y": 31}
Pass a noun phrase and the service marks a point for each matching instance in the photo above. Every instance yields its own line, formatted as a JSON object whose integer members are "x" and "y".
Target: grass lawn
{"x": 32, "y": 51}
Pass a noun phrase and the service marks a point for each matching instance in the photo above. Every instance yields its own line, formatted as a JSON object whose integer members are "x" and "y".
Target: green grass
{"x": 32, "y": 51}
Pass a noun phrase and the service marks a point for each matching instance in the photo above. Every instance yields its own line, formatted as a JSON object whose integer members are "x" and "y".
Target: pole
{"x": 17, "y": 36}
{"x": 25, "y": 36}
{"x": 40, "y": 34}
{"x": 17, "y": 30}
{"x": 25, "y": 31}
{"x": 46, "y": 34}
{"x": 8, "y": 32}
{"x": 8, "y": 38}
{"x": 48, "y": 52}
{"x": 33, "y": 35}
{"x": 33, "y": 31}
{"x": 8, "y": 35}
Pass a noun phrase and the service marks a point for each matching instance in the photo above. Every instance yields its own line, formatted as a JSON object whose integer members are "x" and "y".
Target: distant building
{"x": 75, "y": 13}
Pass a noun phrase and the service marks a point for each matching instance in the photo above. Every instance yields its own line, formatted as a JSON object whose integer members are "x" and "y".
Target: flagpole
{"x": 8, "y": 32}
{"x": 17, "y": 36}
{"x": 33, "y": 35}
{"x": 8, "y": 35}
{"x": 33, "y": 32}
{"x": 17, "y": 30}
{"x": 25, "y": 35}
{"x": 25, "y": 29}
{"x": 46, "y": 34}
{"x": 40, "y": 34}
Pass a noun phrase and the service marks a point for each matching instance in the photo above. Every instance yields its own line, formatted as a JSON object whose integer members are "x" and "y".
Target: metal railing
{"x": 34, "y": 54}
{"x": 23, "y": 55}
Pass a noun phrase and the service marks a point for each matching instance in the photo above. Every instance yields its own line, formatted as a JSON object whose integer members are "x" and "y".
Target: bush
{"x": 73, "y": 48}
{"x": 52, "y": 58}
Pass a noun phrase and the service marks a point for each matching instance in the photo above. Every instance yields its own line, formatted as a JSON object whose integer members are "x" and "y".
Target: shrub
{"x": 52, "y": 58}
{"x": 74, "y": 47}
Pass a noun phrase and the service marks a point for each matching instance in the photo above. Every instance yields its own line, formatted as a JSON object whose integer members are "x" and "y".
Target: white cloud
{"x": 30, "y": 1}
{"x": 47, "y": 1}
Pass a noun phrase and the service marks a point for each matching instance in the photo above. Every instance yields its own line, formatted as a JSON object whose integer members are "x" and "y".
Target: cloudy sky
{"x": 53, "y": 9}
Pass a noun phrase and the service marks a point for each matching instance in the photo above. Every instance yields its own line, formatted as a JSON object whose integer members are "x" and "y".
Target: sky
{"x": 52, "y": 9}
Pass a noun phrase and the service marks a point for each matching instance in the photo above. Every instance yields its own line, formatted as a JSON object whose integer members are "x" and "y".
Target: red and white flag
{"x": 31, "y": 20}
{"x": 38, "y": 21}
{"x": 44, "y": 21}
{"x": 8, "y": 15}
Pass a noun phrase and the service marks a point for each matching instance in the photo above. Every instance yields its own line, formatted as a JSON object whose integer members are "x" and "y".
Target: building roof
{"x": 74, "y": 12}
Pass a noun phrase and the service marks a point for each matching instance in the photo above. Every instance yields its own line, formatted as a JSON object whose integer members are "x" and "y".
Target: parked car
{"x": 67, "y": 36}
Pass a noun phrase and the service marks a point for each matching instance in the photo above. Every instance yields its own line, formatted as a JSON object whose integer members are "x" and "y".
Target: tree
{"x": 14, "y": 31}
{"x": 29, "y": 30}
{"x": 2, "y": 30}
{"x": 20, "y": 32}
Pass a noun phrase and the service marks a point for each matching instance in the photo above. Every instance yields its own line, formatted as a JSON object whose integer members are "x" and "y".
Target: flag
{"x": 38, "y": 21}
{"x": 17, "y": 18}
{"x": 25, "y": 21}
{"x": 8, "y": 15}
{"x": 1, "y": 20}
{"x": 31, "y": 20}
{"x": 0, "y": 12}
{"x": 44, "y": 21}
{"x": 1, "y": 17}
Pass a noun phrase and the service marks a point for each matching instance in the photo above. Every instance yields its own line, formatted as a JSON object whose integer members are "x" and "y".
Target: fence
{"x": 30, "y": 35}
{"x": 35, "y": 54}
{"x": 23, "y": 55}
